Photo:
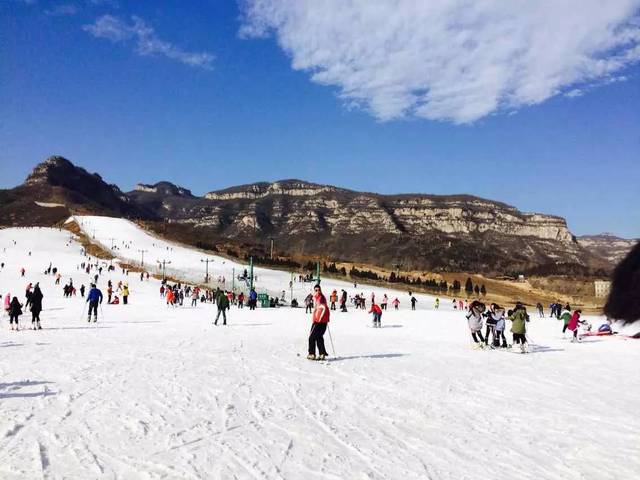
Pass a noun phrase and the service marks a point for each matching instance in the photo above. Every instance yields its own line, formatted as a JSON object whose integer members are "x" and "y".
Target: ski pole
{"x": 331, "y": 340}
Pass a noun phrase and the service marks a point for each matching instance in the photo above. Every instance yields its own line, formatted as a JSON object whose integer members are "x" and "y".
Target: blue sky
{"x": 208, "y": 94}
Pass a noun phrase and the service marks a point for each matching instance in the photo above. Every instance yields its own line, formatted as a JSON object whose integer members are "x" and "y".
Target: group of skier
{"x": 13, "y": 307}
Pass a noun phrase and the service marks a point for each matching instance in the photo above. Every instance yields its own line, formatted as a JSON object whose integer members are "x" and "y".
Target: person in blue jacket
{"x": 253, "y": 299}
{"x": 94, "y": 299}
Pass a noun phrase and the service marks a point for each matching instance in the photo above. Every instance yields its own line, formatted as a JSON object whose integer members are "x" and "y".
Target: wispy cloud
{"x": 448, "y": 60}
{"x": 61, "y": 10}
{"x": 145, "y": 40}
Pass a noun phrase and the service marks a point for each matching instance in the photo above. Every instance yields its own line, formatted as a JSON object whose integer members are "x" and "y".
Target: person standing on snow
{"x": 253, "y": 299}
{"x": 333, "y": 298}
{"x": 519, "y": 318}
{"x": 574, "y": 324}
{"x": 15, "y": 310}
{"x": 395, "y": 303}
{"x": 474, "y": 318}
{"x": 436, "y": 305}
{"x": 377, "y": 315}
{"x": 319, "y": 326}
{"x": 222, "y": 302}
{"x": 125, "y": 293}
{"x": 566, "y": 318}
{"x": 383, "y": 303}
{"x": 94, "y": 298}
{"x": 308, "y": 303}
{"x": 413, "y": 302}
{"x": 343, "y": 301}
{"x": 36, "y": 307}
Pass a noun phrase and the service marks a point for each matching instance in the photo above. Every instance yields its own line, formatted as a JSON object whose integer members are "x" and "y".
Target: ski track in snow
{"x": 156, "y": 393}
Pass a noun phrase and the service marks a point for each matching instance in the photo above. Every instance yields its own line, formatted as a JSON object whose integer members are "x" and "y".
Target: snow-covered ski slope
{"x": 126, "y": 240}
{"x": 150, "y": 392}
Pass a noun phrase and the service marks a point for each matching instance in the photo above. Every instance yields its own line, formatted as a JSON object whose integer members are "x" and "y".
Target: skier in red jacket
{"x": 377, "y": 315}
{"x": 319, "y": 326}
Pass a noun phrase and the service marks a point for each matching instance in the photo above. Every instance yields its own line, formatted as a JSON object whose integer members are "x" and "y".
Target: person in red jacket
{"x": 573, "y": 324}
{"x": 319, "y": 326}
{"x": 377, "y": 315}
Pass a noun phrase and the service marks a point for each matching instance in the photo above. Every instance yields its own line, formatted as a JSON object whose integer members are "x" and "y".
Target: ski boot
{"x": 322, "y": 357}
{"x": 39, "y": 327}
{"x": 311, "y": 356}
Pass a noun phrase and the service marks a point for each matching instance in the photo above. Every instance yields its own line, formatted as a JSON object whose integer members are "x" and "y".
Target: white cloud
{"x": 145, "y": 39}
{"x": 450, "y": 60}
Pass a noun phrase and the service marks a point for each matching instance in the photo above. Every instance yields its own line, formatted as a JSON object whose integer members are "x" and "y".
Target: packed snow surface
{"x": 154, "y": 392}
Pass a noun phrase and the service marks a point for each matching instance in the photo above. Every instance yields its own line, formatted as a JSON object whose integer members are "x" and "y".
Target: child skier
{"x": 574, "y": 324}
{"x": 319, "y": 326}
{"x": 15, "y": 310}
{"x": 377, "y": 315}
{"x": 499, "y": 328}
{"x": 519, "y": 319}
{"x": 474, "y": 318}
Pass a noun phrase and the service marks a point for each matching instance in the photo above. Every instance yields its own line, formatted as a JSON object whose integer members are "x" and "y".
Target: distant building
{"x": 521, "y": 278}
{"x": 602, "y": 287}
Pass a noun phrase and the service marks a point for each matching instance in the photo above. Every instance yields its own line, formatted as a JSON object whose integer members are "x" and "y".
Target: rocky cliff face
{"x": 429, "y": 232}
{"x": 608, "y": 246}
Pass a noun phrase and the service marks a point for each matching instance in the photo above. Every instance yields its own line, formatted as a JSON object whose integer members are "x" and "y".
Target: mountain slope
{"x": 312, "y": 221}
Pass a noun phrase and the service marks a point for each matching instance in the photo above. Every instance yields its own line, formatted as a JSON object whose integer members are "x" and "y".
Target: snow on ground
{"x": 125, "y": 239}
{"x": 150, "y": 392}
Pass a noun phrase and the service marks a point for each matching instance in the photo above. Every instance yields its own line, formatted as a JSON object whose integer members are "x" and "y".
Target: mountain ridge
{"x": 305, "y": 219}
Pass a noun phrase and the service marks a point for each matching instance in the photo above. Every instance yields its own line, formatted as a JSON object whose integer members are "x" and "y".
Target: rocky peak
{"x": 164, "y": 188}
{"x": 254, "y": 191}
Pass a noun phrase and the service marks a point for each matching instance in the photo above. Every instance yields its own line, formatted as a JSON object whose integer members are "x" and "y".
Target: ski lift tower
{"x": 317, "y": 279}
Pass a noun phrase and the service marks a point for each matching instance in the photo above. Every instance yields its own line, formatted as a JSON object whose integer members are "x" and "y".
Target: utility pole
{"x": 291, "y": 287}
{"x": 233, "y": 280}
{"x": 163, "y": 265}
{"x": 271, "y": 247}
{"x": 112, "y": 239}
{"x": 142, "y": 260}
{"x": 318, "y": 272}
{"x": 206, "y": 262}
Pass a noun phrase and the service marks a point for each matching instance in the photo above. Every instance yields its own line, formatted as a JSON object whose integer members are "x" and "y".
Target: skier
{"x": 241, "y": 300}
{"x": 7, "y": 302}
{"x": 93, "y": 299}
{"x": 474, "y": 319}
{"x": 333, "y": 298}
{"x": 253, "y": 299}
{"x": 36, "y": 307}
{"x": 343, "y": 301}
{"x": 395, "y": 303}
{"x": 437, "y": 304}
{"x": 377, "y": 315}
{"x": 499, "y": 328}
{"x": 566, "y": 318}
{"x": 383, "y": 304}
{"x": 222, "y": 302}
{"x": 194, "y": 297}
{"x": 308, "y": 302}
{"x": 519, "y": 319}
{"x": 574, "y": 324}
{"x": 15, "y": 310}
{"x": 455, "y": 304}
{"x": 82, "y": 290}
{"x": 493, "y": 315}
{"x": 319, "y": 326}
{"x": 413, "y": 302}
{"x": 125, "y": 293}
{"x": 540, "y": 309}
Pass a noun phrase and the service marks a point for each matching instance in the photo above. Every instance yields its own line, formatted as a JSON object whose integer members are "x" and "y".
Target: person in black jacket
{"x": 15, "y": 310}
{"x": 36, "y": 307}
